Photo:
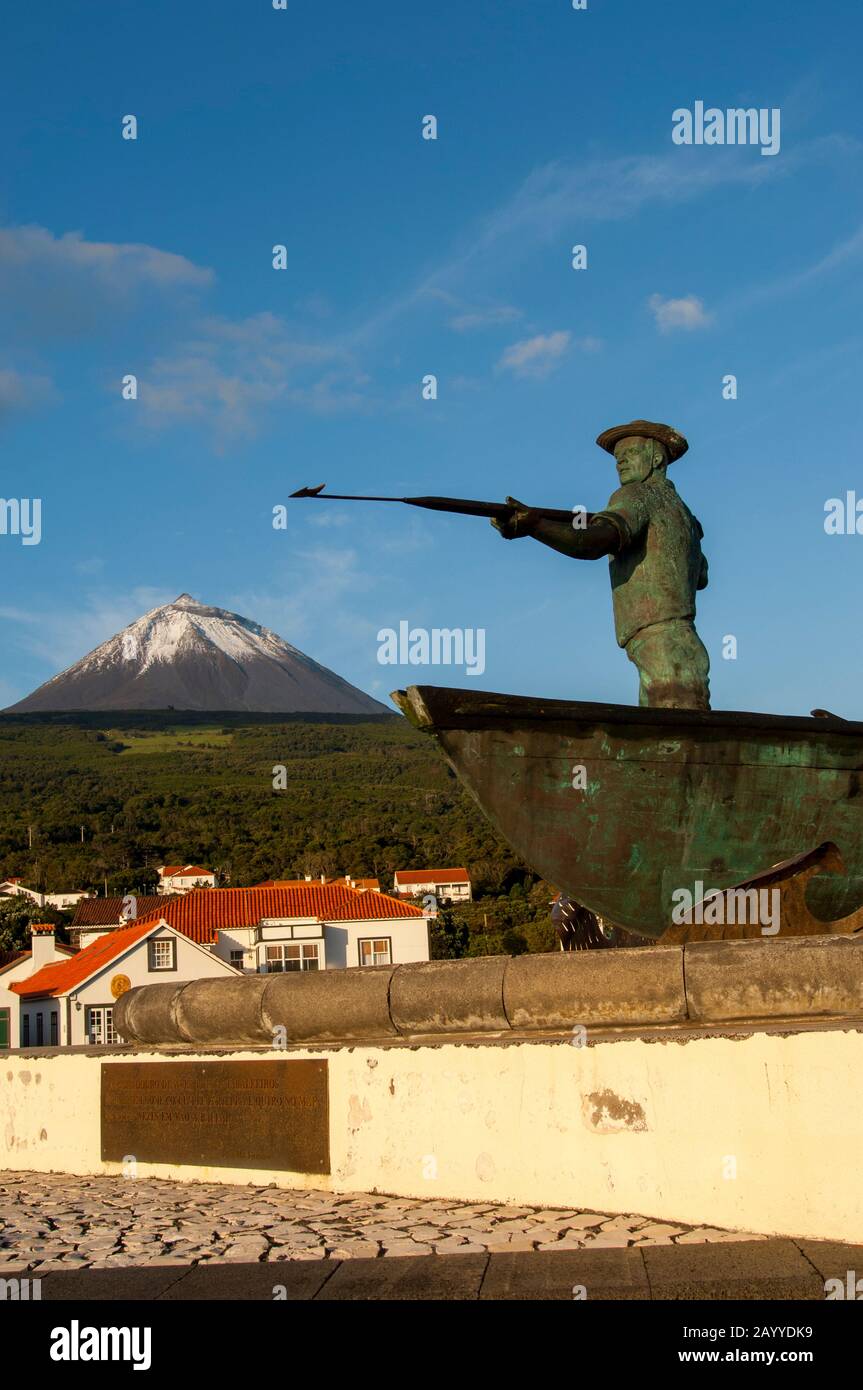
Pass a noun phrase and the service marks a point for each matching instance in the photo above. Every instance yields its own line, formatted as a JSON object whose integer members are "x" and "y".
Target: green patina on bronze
{"x": 656, "y": 562}
{"x": 683, "y": 795}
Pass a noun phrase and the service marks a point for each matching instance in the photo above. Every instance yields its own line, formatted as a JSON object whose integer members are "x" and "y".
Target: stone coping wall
{"x": 699, "y": 984}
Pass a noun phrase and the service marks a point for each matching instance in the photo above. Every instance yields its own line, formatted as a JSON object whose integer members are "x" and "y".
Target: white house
{"x": 447, "y": 885}
{"x": 183, "y": 878}
{"x": 44, "y": 950}
{"x": 15, "y": 888}
{"x": 71, "y": 1002}
{"x": 310, "y": 927}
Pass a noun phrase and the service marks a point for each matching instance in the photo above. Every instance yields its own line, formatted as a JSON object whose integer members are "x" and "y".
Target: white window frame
{"x": 153, "y": 948}
{"x": 105, "y": 1014}
{"x": 377, "y": 957}
{"x": 308, "y": 954}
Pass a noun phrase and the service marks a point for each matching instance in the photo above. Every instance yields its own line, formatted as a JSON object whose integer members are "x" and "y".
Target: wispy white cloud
{"x": 846, "y": 252}
{"x": 686, "y": 313}
{"x": 59, "y": 287}
{"x": 231, "y": 369}
{"x": 562, "y": 195}
{"x": 535, "y": 357}
{"x": 115, "y": 264}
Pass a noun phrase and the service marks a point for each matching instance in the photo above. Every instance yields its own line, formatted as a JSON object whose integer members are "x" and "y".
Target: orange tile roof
{"x": 182, "y": 870}
{"x": 203, "y": 912}
{"x": 432, "y": 875}
{"x": 61, "y": 976}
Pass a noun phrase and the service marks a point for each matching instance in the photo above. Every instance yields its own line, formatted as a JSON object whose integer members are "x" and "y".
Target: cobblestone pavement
{"x": 59, "y": 1222}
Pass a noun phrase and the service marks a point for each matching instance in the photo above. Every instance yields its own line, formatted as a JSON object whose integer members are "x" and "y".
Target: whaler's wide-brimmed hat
{"x": 675, "y": 444}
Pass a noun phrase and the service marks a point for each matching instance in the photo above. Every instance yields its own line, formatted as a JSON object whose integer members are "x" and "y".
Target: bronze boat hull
{"x": 621, "y": 807}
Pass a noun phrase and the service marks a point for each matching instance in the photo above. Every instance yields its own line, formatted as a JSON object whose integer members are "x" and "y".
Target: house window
{"x": 297, "y": 955}
{"x": 5, "y": 1015}
{"x": 25, "y": 1030}
{"x": 163, "y": 954}
{"x": 376, "y": 951}
{"x": 237, "y": 958}
{"x": 100, "y": 1026}
{"x": 40, "y": 1030}
{"x": 55, "y": 1028}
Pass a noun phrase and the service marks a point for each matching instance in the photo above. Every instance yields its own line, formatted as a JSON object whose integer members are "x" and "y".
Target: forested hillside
{"x": 361, "y": 795}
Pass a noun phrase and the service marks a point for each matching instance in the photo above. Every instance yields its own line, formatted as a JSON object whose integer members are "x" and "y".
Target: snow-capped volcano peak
{"x": 189, "y": 655}
{"x": 166, "y": 633}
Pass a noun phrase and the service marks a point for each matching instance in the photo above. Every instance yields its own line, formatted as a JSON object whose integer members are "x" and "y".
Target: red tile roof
{"x": 183, "y": 870}
{"x": 289, "y": 883}
{"x": 60, "y": 976}
{"x": 432, "y": 876}
{"x": 108, "y": 912}
{"x": 200, "y": 914}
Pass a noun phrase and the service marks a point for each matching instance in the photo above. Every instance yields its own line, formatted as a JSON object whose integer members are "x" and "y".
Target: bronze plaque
{"x": 268, "y": 1114}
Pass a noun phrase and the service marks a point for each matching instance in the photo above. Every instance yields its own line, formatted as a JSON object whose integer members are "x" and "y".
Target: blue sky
{"x": 408, "y": 257}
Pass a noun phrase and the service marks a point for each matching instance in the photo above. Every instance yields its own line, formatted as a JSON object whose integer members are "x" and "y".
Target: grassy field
{"x": 170, "y": 740}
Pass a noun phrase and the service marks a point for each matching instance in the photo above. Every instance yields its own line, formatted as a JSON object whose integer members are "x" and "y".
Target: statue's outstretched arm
{"x": 599, "y": 537}
{"x": 585, "y": 538}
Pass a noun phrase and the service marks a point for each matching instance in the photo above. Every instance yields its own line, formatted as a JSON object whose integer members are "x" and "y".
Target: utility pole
{"x": 30, "y": 836}
{"x": 82, "y": 834}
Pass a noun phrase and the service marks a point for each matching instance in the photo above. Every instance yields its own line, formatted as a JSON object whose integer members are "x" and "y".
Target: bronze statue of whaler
{"x": 656, "y": 562}
{"x": 654, "y": 545}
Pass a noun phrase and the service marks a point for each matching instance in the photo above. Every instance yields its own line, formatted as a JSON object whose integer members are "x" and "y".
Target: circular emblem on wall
{"x": 119, "y": 985}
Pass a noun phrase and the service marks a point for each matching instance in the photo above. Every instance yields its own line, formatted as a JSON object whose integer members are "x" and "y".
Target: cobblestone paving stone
{"x": 50, "y": 1221}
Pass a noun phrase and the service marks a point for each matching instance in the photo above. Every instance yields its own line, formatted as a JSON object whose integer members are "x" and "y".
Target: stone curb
{"x": 702, "y": 982}
{"x": 805, "y": 975}
{"x": 773, "y": 1269}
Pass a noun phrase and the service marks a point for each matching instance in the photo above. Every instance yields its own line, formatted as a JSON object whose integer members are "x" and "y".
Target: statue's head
{"x": 636, "y": 457}
{"x": 642, "y": 448}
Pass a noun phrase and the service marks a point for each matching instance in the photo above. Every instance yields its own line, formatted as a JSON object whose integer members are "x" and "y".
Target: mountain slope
{"x": 187, "y": 655}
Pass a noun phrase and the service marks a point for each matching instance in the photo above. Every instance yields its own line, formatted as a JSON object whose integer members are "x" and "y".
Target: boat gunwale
{"x": 437, "y": 708}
